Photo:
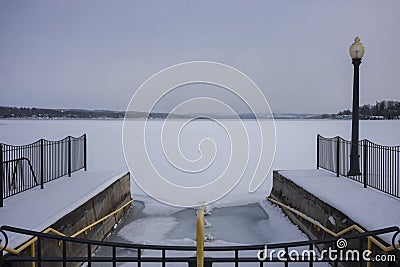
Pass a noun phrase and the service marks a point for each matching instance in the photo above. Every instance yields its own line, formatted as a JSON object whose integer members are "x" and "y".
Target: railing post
{"x": 84, "y": 152}
{"x": 365, "y": 162}
{"x": 1, "y": 176}
{"x": 69, "y": 156}
{"x": 337, "y": 156}
{"x": 318, "y": 150}
{"x": 192, "y": 262}
{"x": 208, "y": 262}
{"x": 41, "y": 164}
{"x": 200, "y": 237}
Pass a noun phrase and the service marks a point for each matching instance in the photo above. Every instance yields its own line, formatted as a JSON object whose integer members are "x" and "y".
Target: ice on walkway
{"x": 367, "y": 207}
{"x": 37, "y": 209}
{"x": 244, "y": 223}
{"x": 238, "y": 223}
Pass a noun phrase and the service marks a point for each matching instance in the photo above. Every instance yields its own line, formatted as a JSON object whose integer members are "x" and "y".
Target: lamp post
{"x": 356, "y": 50}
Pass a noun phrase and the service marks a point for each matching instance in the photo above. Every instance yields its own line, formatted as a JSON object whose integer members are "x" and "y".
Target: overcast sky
{"x": 94, "y": 54}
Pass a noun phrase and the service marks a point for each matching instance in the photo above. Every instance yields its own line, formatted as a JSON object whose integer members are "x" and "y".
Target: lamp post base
{"x": 354, "y": 166}
{"x": 353, "y": 173}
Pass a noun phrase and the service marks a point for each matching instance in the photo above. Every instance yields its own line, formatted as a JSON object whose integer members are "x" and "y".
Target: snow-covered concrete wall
{"x": 104, "y": 203}
{"x": 289, "y": 193}
{"x": 297, "y": 197}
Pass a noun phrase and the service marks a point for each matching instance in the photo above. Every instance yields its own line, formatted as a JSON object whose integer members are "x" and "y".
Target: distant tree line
{"x": 386, "y": 109}
{"x": 45, "y": 113}
{"x": 16, "y": 112}
{"x": 381, "y": 110}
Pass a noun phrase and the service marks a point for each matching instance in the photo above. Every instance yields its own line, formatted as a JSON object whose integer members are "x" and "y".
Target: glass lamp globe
{"x": 357, "y": 49}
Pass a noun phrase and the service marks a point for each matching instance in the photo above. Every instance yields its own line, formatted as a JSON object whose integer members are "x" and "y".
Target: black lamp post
{"x": 356, "y": 50}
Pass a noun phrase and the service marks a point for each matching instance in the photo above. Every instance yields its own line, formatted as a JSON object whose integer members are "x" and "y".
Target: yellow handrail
{"x": 200, "y": 232}
{"x": 348, "y": 229}
{"x": 200, "y": 237}
{"x": 32, "y": 241}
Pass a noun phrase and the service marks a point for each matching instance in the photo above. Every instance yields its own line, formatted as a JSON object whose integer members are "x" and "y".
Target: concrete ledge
{"x": 289, "y": 193}
{"x": 102, "y": 204}
{"x": 37, "y": 209}
{"x": 367, "y": 207}
{"x": 300, "y": 192}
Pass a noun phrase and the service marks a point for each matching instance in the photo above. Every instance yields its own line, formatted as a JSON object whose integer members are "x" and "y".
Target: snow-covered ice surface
{"x": 36, "y": 209}
{"x": 295, "y": 140}
{"x": 238, "y": 223}
{"x": 367, "y": 207}
{"x": 249, "y": 223}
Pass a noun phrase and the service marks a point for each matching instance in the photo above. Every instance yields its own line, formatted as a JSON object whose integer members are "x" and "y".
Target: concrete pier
{"x": 68, "y": 205}
{"x": 336, "y": 203}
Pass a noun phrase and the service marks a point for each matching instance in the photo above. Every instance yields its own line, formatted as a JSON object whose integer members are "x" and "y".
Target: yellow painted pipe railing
{"x": 371, "y": 239}
{"x": 200, "y": 237}
{"x": 32, "y": 241}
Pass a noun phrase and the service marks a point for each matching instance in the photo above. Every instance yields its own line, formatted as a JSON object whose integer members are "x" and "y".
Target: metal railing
{"x": 140, "y": 253}
{"x": 379, "y": 165}
{"x": 28, "y": 166}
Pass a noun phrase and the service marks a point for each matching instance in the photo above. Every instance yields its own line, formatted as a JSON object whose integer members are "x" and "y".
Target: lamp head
{"x": 357, "y": 49}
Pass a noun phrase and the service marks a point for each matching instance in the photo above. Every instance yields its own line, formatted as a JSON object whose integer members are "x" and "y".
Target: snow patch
{"x": 332, "y": 220}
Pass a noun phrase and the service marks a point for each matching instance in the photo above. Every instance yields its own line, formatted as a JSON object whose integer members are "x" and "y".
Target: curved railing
{"x": 27, "y": 166}
{"x": 19, "y": 167}
{"x": 379, "y": 165}
{"x": 161, "y": 254}
{"x": 183, "y": 254}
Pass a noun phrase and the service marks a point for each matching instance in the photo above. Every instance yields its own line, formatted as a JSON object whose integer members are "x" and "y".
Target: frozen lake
{"x": 295, "y": 139}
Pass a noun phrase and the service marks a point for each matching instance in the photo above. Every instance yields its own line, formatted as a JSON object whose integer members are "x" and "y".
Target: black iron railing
{"x": 28, "y": 166}
{"x": 282, "y": 253}
{"x": 379, "y": 165}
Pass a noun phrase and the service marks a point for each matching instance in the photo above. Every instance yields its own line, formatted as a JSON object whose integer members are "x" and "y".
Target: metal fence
{"x": 28, "y": 166}
{"x": 159, "y": 255}
{"x": 379, "y": 165}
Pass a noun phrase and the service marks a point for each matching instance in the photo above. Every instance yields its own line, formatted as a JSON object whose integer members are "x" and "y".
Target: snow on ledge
{"x": 37, "y": 209}
{"x": 367, "y": 207}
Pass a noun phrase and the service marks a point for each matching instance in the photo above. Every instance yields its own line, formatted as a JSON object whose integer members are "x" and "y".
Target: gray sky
{"x": 94, "y": 54}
